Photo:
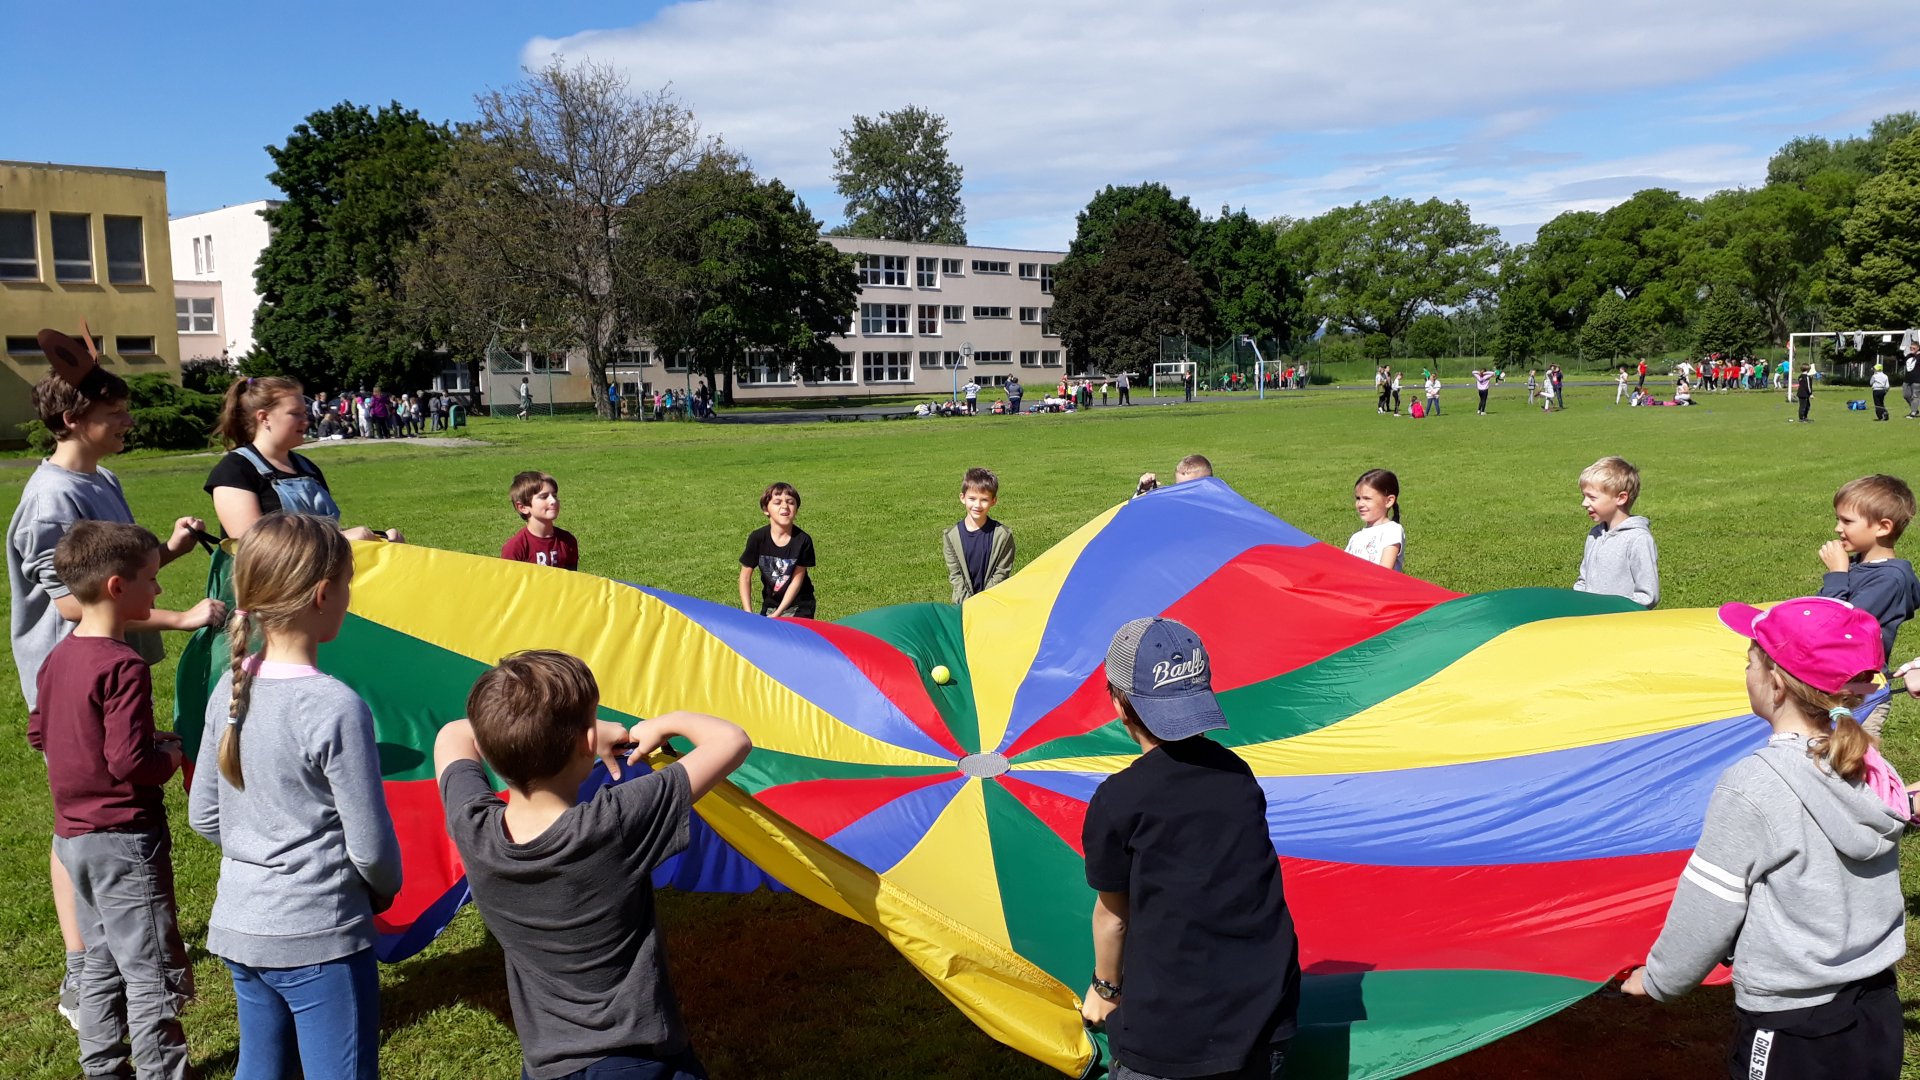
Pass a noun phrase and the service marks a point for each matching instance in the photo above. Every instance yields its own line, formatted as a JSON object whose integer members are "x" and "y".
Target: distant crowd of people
{"x": 357, "y": 414}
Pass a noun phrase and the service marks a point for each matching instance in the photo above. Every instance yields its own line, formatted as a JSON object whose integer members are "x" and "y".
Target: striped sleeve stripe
{"x": 1712, "y": 879}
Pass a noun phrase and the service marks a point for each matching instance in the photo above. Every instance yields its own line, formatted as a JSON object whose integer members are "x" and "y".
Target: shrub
{"x": 207, "y": 375}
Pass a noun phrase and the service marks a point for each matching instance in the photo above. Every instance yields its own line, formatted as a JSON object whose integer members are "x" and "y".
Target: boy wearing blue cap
{"x": 1189, "y": 885}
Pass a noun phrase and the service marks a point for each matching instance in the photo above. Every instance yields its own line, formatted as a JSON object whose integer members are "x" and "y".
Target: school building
{"x": 82, "y": 242}
{"x": 929, "y": 316}
{"x": 215, "y": 298}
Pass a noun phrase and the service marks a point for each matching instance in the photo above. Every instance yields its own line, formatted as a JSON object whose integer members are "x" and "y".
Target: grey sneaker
{"x": 70, "y": 999}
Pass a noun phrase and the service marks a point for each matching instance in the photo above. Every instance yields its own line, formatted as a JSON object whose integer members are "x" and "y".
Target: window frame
{"x": 926, "y": 272}
{"x": 1030, "y": 315}
{"x": 993, "y": 356}
{"x": 895, "y": 367}
{"x": 86, "y": 229}
{"x": 1029, "y": 271}
{"x": 991, "y": 266}
{"x": 132, "y": 345}
{"x": 953, "y": 267}
{"x": 987, "y": 311}
{"x": 880, "y": 320}
{"x": 32, "y": 258}
{"x": 841, "y": 374}
{"x": 184, "y": 315}
{"x": 116, "y": 266}
{"x": 876, "y": 269}
{"x": 926, "y": 319}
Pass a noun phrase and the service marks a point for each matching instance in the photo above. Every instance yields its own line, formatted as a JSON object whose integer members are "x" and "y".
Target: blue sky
{"x": 1522, "y": 109}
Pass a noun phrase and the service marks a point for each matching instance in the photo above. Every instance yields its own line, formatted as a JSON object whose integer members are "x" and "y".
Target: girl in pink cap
{"x": 1797, "y": 872}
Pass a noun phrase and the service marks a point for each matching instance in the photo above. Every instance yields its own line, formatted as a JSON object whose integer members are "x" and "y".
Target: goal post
{"x": 1175, "y": 372}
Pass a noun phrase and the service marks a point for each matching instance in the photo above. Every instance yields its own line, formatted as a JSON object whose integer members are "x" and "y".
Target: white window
{"x": 930, "y": 359}
{"x": 991, "y": 312}
{"x": 680, "y": 361}
{"x": 839, "y": 373}
{"x": 1046, "y": 278}
{"x": 1030, "y": 314}
{"x": 764, "y": 368}
{"x": 929, "y": 320}
{"x": 554, "y": 362}
{"x": 133, "y": 346}
{"x": 209, "y": 254}
{"x": 883, "y": 270}
{"x": 953, "y": 313}
{"x": 886, "y": 367}
{"x": 1000, "y": 357}
{"x": 632, "y": 356}
{"x": 126, "y": 251}
{"x": 199, "y": 258}
{"x": 884, "y": 319}
{"x": 193, "y": 314}
{"x": 985, "y": 266}
{"x": 1049, "y": 357}
{"x": 926, "y": 273}
{"x": 1030, "y": 271}
{"x": 1046, "y": 323}
{"x": 72, "y": 247}
{"x": 19, "y": 248}
{"x": 951, "y": 268}
{"x": 1029, "y": 358}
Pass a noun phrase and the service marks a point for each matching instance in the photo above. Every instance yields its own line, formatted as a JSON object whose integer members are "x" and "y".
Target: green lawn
{"x": 1739, "y": 499}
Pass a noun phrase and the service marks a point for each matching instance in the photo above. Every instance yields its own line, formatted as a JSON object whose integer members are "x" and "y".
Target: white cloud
{"x": 1050, "y": 101}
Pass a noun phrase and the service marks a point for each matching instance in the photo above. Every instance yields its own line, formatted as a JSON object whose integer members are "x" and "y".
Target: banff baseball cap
{"x": 1168, "y": 677}
{"x": 1823, "y": 642}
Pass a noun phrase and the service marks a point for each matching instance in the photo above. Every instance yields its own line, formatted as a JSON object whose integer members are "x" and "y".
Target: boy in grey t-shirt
{"x": 566, "y": 887}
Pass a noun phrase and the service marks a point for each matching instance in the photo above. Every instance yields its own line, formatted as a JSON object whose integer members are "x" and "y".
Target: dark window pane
{"x": 18, "y": 258}
{"x": 72, "y": 248}
{"x": 126, "y": 251}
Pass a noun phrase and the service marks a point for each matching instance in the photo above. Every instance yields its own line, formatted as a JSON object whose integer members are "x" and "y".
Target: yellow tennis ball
{"x": 941, "y": 675}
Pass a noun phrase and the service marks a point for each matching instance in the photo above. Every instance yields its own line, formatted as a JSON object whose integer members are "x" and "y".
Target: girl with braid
{"x": 289, "y": 788}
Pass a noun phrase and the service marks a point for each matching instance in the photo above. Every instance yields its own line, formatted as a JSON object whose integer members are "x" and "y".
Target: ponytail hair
{"x": 1384, "y": 482}
{"x": 277, "y": 565}
{"x": 245, "y": 398}
{"x": 1844, "y": 749}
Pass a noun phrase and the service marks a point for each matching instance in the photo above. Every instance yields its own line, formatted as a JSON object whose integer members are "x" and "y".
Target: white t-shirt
{"x": 1369, "y": 542}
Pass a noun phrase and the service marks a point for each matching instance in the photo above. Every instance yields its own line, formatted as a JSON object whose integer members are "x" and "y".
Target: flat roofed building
{"x": 921, "y": 308}
{"x": 82, "y": 242}
{"x": 219, "y": 248}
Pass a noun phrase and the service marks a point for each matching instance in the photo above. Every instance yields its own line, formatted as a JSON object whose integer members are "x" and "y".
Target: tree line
{"x": 576, "y": 215}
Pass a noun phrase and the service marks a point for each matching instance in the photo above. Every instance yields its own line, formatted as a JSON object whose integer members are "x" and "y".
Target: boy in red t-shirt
{"x": 536, "y": 498}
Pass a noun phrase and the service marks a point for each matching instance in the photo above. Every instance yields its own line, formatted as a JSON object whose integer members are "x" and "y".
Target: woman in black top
{"x": 261, "y": 422}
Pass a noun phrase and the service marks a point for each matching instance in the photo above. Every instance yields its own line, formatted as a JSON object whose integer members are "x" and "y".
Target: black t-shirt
{"x": 1210, "y": 970}
{"x": 235, "y": 471}
{"x": 573, "y": 911}
{"x": 977, "y": 546}
{"x": 776, "y": 562}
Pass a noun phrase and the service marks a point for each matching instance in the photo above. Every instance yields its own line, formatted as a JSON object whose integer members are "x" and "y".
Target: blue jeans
{"x": 330, "y": 1012}
{"x": 681, "y": 1066}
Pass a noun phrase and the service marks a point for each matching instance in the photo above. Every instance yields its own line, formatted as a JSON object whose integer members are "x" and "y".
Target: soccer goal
{"x": 1173, "y": 373}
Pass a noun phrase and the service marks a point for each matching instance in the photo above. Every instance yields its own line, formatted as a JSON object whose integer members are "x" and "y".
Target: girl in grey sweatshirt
{"x": 1796, "y": 877}
{"x": 288, "y": 785}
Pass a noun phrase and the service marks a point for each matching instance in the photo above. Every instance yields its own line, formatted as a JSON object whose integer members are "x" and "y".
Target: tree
{"x": 1431, "y": 336}
{"x": 1727, "y": 323}
{"x": 331, "y": 275}
{"x": 1374, "y": 267}
{"x": 724, "y": 263}
{"x": 1250, "y": 284}
{"x": 1614, "y": 328}
{"x": 525, "y": 228}
{"x": 1877, "y": 284}
{"x": 1771, "y": 243}
{"x": 897, "y": 179}
{"x": 1113, "y": 312}
{"x": 1114, "y": 206}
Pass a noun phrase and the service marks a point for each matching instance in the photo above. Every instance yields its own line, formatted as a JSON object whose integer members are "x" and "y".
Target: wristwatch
{"x": 1107, "y": 991}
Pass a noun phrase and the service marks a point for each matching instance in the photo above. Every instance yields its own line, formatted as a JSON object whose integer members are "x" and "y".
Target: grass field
{"x": 772, "y": 987}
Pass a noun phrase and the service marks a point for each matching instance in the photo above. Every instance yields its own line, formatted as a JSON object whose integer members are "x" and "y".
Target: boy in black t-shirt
{"x": 783, "y": 553}
{"x": 1196, "y": 968}
{"x": 565, "y": 886}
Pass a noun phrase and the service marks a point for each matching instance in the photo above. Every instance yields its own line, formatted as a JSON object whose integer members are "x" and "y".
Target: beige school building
{"x": 929, "y": 316}
{"x": 82, "y": 242}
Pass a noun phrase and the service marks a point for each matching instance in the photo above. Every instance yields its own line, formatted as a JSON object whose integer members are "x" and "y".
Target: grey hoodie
{"x": 1621, "y": 561}
{"x": 1796, "y": 877}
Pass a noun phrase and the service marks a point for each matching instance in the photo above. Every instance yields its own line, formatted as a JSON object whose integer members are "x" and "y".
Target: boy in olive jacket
{"x": 978, "y": 549}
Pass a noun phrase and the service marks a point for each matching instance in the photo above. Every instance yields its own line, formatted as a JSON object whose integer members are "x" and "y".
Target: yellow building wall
{"x": 112, "y": 310}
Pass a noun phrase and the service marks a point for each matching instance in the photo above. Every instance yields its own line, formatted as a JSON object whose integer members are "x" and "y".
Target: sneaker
{"x": 69, "y": 1006}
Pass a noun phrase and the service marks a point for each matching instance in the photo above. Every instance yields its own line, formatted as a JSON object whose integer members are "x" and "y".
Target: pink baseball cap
{"x": 1823, "y": 642}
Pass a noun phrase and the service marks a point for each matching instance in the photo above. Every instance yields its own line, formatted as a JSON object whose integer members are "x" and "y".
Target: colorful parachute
{"x": 1481, "y": 803}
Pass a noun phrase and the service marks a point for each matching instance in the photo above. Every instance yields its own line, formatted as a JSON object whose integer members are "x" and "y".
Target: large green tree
{"x": 723, "y": 263}
{"x": 1250, "y": 283}
{"x": 333, "y": 311}
{"x": 1771, "y": 244}
{"x": 1614, "y": 328}
{"x": 1111, "y": 313}
{"x": 1727, "y": 323}
{"x": 898, "y": 179}
{"x": 1113, "y": 206}
{"x": 526, "y": 226}
{"x": 1375, "y": 267}
{"x": 1877, "y": 283}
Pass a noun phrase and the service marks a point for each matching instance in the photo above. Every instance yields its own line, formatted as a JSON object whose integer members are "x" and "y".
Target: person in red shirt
{"x": 93, "y": 719}
{"x": 536, "y": 498}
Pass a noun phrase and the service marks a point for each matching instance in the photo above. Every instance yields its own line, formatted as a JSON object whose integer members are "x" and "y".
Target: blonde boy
{"x": 1621, "y": 558}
